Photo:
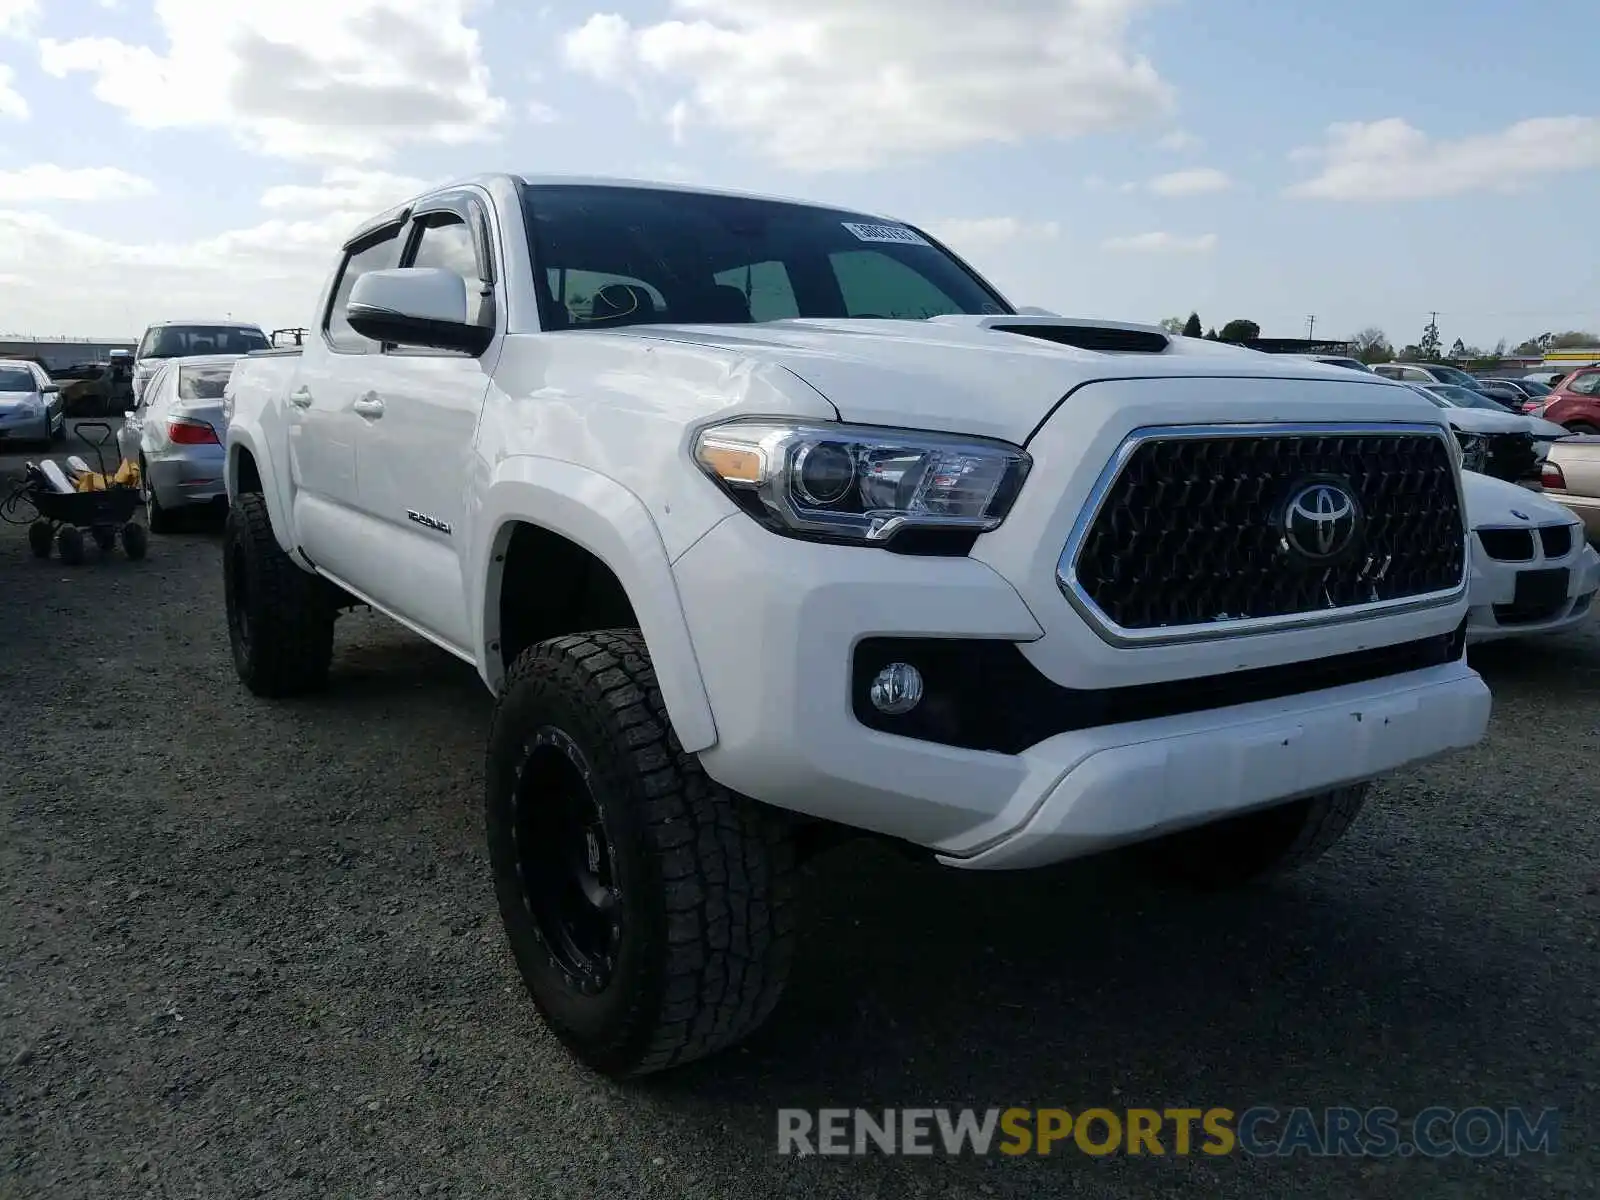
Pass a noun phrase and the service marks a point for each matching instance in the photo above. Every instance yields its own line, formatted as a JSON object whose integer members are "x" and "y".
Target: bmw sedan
{"x": 175, "y": 434}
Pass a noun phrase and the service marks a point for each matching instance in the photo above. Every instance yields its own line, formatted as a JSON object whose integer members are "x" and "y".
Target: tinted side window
{"x": 378, "y": 255}
{"x": 444, "y": 242}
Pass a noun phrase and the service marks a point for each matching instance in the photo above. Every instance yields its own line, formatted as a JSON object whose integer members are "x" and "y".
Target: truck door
{"x": 421, "y": 409}
{"x": 323, "y": 424}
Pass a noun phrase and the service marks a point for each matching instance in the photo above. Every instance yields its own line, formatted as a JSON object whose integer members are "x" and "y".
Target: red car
{"x": 1575, "y": 402}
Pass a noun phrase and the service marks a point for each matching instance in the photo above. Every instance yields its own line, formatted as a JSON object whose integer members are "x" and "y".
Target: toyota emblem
{"x": 1320, "y": 520}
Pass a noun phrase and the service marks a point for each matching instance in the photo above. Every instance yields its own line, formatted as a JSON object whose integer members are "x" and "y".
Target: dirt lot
{"x": 250, "y": 949}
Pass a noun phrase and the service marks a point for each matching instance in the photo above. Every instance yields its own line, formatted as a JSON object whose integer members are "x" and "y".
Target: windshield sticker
{"x": 885, "y": 233}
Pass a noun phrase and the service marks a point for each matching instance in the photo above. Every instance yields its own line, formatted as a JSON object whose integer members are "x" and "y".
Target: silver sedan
{"x": 30, "y": 404}
{"x": 175, "y": 434}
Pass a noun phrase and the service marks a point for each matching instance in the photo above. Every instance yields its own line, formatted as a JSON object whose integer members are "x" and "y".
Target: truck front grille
{"x": 1278, "y": 524}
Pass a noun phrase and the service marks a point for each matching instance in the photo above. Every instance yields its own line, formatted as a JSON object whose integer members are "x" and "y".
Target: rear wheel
{"x": 1243, "y": 849}
{"x": 69, "y": 544}
{"x": 40, "y": 538}
{"x": 160, "y": 520}
{"x": 280, "y": 618}
{"x": 648, "y": 909}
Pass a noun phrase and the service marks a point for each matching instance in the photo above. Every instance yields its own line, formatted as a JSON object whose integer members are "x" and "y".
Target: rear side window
{"x": 203, "y": 383}
{"x": 378, "y": 253}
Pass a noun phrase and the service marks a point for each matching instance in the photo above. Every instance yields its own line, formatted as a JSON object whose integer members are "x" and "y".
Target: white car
{"x": 1532, "y": 570}
{"x": 1488, "y": 415}
{"x": 770, "y": 523}
{"x": 174, "y": 434}
{"x": 30, "y": 404}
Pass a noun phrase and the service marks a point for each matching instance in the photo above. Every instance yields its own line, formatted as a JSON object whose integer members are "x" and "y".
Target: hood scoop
{"x": 1100, "y": 338}
{"x": 1097, "y": 337}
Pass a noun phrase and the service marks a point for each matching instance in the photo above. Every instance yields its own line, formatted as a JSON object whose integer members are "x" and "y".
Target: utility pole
{"x": 1311, "y": 324}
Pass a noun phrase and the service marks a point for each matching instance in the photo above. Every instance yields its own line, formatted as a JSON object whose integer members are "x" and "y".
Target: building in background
{"x": 64, "y": 355}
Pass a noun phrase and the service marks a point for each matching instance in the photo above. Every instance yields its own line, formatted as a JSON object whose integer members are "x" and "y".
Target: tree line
{"x": 1372, "y": 345}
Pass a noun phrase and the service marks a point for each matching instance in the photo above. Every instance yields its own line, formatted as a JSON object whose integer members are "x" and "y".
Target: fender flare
{"x": 240, "y": 437}
{"x": 605, "y": 518}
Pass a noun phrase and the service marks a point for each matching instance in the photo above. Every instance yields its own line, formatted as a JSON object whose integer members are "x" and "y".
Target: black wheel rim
{"x": 565, "y": 862}
{"x": 238, "y": 594}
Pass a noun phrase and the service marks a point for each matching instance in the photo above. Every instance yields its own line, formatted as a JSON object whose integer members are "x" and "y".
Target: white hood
{"x": 1494, "y": 502}
{"x": 960, "y": 375}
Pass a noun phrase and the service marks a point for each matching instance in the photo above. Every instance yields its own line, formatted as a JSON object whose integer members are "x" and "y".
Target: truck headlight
{"x": 859, "y": 483}
{"x": 1473, "y": 451}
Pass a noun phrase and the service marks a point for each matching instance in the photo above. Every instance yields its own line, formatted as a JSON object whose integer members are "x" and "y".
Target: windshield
{"x": 612, "y": 256}
{"x": 1453, "y": 375}
{"x": 1534, "y": 388}
{"x": 182, "y": 341}
{"x": 203, "y": 383}
{"x": 17, "y": 379}
{"x": 1463, "y": 397}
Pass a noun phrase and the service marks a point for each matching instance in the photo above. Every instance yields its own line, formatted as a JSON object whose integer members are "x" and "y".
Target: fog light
{"x": 897, "y": 689}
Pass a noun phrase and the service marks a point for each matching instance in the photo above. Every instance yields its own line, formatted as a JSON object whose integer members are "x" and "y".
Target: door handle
{"x": 369, "y": 406}
{"x": 300, "y": 397}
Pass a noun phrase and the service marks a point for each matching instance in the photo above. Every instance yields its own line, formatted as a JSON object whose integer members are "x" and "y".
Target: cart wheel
{"x": 135, "y": 541}
{"x": 40, "y": 536}
{"x": 105, "y": 537}
{"x": 69, "y": 544}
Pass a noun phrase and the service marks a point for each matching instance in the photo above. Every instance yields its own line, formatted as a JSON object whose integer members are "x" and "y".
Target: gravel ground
{"x": 250, "y": 949}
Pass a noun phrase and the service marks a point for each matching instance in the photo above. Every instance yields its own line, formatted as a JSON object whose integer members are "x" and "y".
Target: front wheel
{"x": 280, "y": 620}
{"x": 649, "y": 910}
{"x": 69, "y": 544}
{"x": 1582, "y": 427}
{"x": 1243, "y": 849}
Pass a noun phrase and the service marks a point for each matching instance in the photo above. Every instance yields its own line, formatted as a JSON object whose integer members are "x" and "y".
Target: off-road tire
{"x": 704, "y": 880}
{"x": 69, "y": 545}
{"x": 280, "y": 620}
{"x": 1247, "y": 848}
{"x": 40, "y": 538}
{"x": 160, "y": 520}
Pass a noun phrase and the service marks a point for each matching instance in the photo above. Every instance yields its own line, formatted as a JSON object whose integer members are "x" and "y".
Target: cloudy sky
{"x": 1365, "y": 162}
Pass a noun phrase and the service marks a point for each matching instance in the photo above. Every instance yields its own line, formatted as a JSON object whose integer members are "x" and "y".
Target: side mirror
{"x": 50, "y": 389}
{"x": 415, "y": 306}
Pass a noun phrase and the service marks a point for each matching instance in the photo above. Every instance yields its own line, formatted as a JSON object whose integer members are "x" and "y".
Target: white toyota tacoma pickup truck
{"x": 767, "y": 522}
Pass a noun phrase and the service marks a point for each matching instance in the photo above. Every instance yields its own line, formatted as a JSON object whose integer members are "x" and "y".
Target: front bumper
{"x": 31, "y": 428}
{"x": 1495, "y": 611}
{"x": 777, "y": 625}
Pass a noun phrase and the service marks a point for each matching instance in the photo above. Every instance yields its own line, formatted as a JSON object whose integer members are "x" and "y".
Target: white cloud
{"x": 845, "y": 84}
{"x": 1162, "y": 243}
{"x": 1196, "y": 182}
{"x": 271, "y": 272}
{"x": 1393, "y": 160}
{"x": 1178, "y": 141}
{"x": 11, "y": 102}
{"x": 17, "y": 17}
{"x": 305, "y": 79}
{"x": 969, "y": 236}
{"x": 347, "y": 189}
{"x": 46, "y": 181}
